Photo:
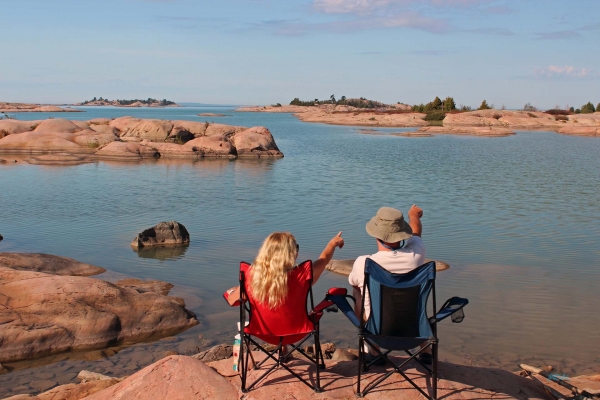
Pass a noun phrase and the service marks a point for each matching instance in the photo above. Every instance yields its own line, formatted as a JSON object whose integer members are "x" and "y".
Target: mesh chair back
{"x": 290, "y": 320}
{"x": 398, "y": 301}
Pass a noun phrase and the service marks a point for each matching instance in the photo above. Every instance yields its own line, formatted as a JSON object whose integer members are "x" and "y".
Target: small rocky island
{"x": 440, "y": 117}
{"x": 60, "y": 141}
{"x": 149, "y": 102}
{"x": 25, "y": 107}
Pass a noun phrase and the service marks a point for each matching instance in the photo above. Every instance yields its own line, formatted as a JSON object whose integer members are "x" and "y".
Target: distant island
{"x": 440, "y": 116}
{"x": 149, "y": 102}
{"x": 24, "y": 107}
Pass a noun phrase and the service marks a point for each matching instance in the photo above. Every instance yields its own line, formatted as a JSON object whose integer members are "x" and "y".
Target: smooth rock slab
{"x": 173, "y": 378}
{"x": 344, "y": 267}
{"x": 48, "y": 263}
{"x": 163, "y": 234}
{"x": 44, "y": 314}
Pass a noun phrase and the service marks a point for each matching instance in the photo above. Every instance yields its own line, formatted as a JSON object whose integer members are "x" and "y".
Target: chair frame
{"x": 429, "y": 342}
{"x": 247, "y": 341}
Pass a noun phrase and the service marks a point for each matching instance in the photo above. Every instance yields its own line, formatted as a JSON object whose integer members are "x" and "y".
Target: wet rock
{"x": 48, "y": 263}
{"x": 73, "y": 391}
{"x": 47, "y": 314}
{"x": 342, "y": 355}
{"x": 163, "y": 234}
{"x": 58, "y": 159}
{"x": 173, "y": 377}
{"x": 87, "y": 376}
{"x": 142, "y": 286}
{"x": 43, "y": 385}
{"x": 169, "y": 353}
{"x": 20, "y": 396}
{"x": 216, "y": 353}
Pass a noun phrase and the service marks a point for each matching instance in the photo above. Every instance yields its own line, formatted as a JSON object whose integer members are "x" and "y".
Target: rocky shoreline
{"x": 209, "y": 375}
{"x": 60, "y": 141}
{"x": 492, "y": 123}
{"x": 24, "y": 107}
{"x": 50, "y": 305}
{"x": 53, "y": 292}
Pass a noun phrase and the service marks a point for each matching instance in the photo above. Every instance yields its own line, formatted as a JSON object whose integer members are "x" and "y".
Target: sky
{"x": 542, "y": 52}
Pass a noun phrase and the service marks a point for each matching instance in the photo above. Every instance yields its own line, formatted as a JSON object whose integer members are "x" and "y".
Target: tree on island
{"x": 588, "y": 108}
{"x": 448, "y": 104}
{"x": 484, "y": 106}
{"x": 529, "y": 107}
{"x": 332, "y": 98}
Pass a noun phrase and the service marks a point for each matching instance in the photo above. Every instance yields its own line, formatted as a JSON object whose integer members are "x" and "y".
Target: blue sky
{"x": 266, "y": 51}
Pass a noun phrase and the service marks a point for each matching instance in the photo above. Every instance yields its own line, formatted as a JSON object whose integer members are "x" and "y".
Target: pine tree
{"x": 449, "y": 104}
{"x": 588, "y": 108}
{"x": 484, "y": 106}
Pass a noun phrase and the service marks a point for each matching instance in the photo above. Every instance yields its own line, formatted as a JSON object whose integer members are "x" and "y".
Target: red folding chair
{"x": 290, "y": 324}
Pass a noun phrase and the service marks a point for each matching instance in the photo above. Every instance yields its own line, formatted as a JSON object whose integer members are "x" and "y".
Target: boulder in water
{"x": 170, "y": 233}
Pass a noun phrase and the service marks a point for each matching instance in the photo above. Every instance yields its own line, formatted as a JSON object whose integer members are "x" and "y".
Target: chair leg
{"x": 318, "y": 364}
{"x": 360, "y": 364}
{"x": 434, "y": 351}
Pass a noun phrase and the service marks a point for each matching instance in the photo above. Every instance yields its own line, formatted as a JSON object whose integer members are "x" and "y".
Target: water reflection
{"x": 162, "y": 253}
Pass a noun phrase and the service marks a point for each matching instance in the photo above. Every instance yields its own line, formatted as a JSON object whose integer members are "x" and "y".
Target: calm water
{"x": 516, "y": 218}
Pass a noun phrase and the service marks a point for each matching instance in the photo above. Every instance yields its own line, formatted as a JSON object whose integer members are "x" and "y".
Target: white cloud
{"x": 370, "y": 6}
{"x": 555, "y": 71}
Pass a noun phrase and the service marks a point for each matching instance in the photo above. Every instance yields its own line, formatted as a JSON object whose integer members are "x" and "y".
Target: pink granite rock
{"x": 256, "y": 141}
{"x": 223, "y": 130}
{"x": 125, "y": 151}
{"x": 43, "y": 314}
{"x": 211, "y": 146}
{"x": 580, "y": 130}
{"x": 10, "y": 126}
{"x": 173, "y": 378}
{"x": 40, "y": 142}
{"x": 58, "y": 125}
{"x": 195, "y": 128}
{"x": 150, "y": 129}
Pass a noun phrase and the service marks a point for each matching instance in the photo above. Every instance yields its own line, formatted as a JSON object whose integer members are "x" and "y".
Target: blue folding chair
{"x": 398, "y": 320}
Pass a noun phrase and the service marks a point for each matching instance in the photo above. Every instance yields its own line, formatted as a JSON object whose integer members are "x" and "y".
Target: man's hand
{"x": 414, "y": 214}
{"x": 415, "y": 211}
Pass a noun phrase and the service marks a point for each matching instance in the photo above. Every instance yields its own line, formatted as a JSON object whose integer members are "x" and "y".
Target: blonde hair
{"x": 268, "y": 275}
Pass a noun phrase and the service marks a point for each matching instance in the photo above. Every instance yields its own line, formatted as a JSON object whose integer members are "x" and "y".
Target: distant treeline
{"x": 149, "y": 101}
{"x": 343, "y": 101}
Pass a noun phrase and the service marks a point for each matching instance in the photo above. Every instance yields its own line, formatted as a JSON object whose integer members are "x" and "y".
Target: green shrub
{"x": 497, "y": 116}
{"x": 435, "y": 116}
{"x": 588, "y": 108}
{"x": 557, "y": 111}
{"x": 598, "y": 108}
{"x": 561, "y": 118}
{"x": 532, "y": 115}
{"x": 436, "y": 123}
{"x": 484, "y": 106}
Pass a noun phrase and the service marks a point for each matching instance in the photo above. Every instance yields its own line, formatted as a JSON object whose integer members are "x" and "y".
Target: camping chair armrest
{"x": 226, "y": 297}
{"x": 450, "y": 307}
{"x": 339, "y": 297}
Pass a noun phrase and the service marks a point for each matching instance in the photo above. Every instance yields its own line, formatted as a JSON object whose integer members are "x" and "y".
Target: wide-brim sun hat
{"x": 389, "y": 225}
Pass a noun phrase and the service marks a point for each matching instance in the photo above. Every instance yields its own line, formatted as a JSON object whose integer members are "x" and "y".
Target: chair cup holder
{"x": 458, "y": 316}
